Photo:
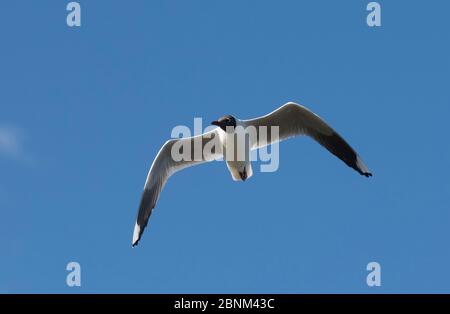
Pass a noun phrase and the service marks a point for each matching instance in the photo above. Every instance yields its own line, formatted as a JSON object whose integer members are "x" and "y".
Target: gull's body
{"x": 291, "y": 119}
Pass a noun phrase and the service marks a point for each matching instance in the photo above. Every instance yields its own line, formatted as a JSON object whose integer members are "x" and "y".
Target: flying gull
{"x": 291, "y": 119}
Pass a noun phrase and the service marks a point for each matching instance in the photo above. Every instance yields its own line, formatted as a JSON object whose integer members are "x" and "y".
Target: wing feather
{"x": 165, "y": 165}
{"x": 294, "y": 120}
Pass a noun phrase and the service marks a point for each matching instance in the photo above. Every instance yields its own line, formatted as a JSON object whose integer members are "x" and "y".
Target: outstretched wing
{"x": 293, "y": 119}
{"x": 174, "y": 155}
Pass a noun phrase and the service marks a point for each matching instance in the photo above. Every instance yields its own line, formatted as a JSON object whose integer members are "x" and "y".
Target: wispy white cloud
{"x": 11, "y": 142}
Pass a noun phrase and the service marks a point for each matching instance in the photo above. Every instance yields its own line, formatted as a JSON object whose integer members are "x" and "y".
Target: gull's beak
{"x": 215, "y": 123}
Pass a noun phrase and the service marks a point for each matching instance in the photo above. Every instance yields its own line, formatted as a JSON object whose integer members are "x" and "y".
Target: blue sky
{"x": 85, "y": 110}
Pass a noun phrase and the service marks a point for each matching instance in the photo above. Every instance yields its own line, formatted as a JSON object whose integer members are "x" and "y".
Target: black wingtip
{"x": 135, "y": 243}
{"x": 138, "y": 232}
{"x": 367, "y": 174}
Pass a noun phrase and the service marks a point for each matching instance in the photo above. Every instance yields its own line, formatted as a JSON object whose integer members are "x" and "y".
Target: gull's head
{"x": 226, "y": 121}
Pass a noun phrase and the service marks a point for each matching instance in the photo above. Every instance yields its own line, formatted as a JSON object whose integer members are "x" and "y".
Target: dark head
{"x": 225, "y": 121}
